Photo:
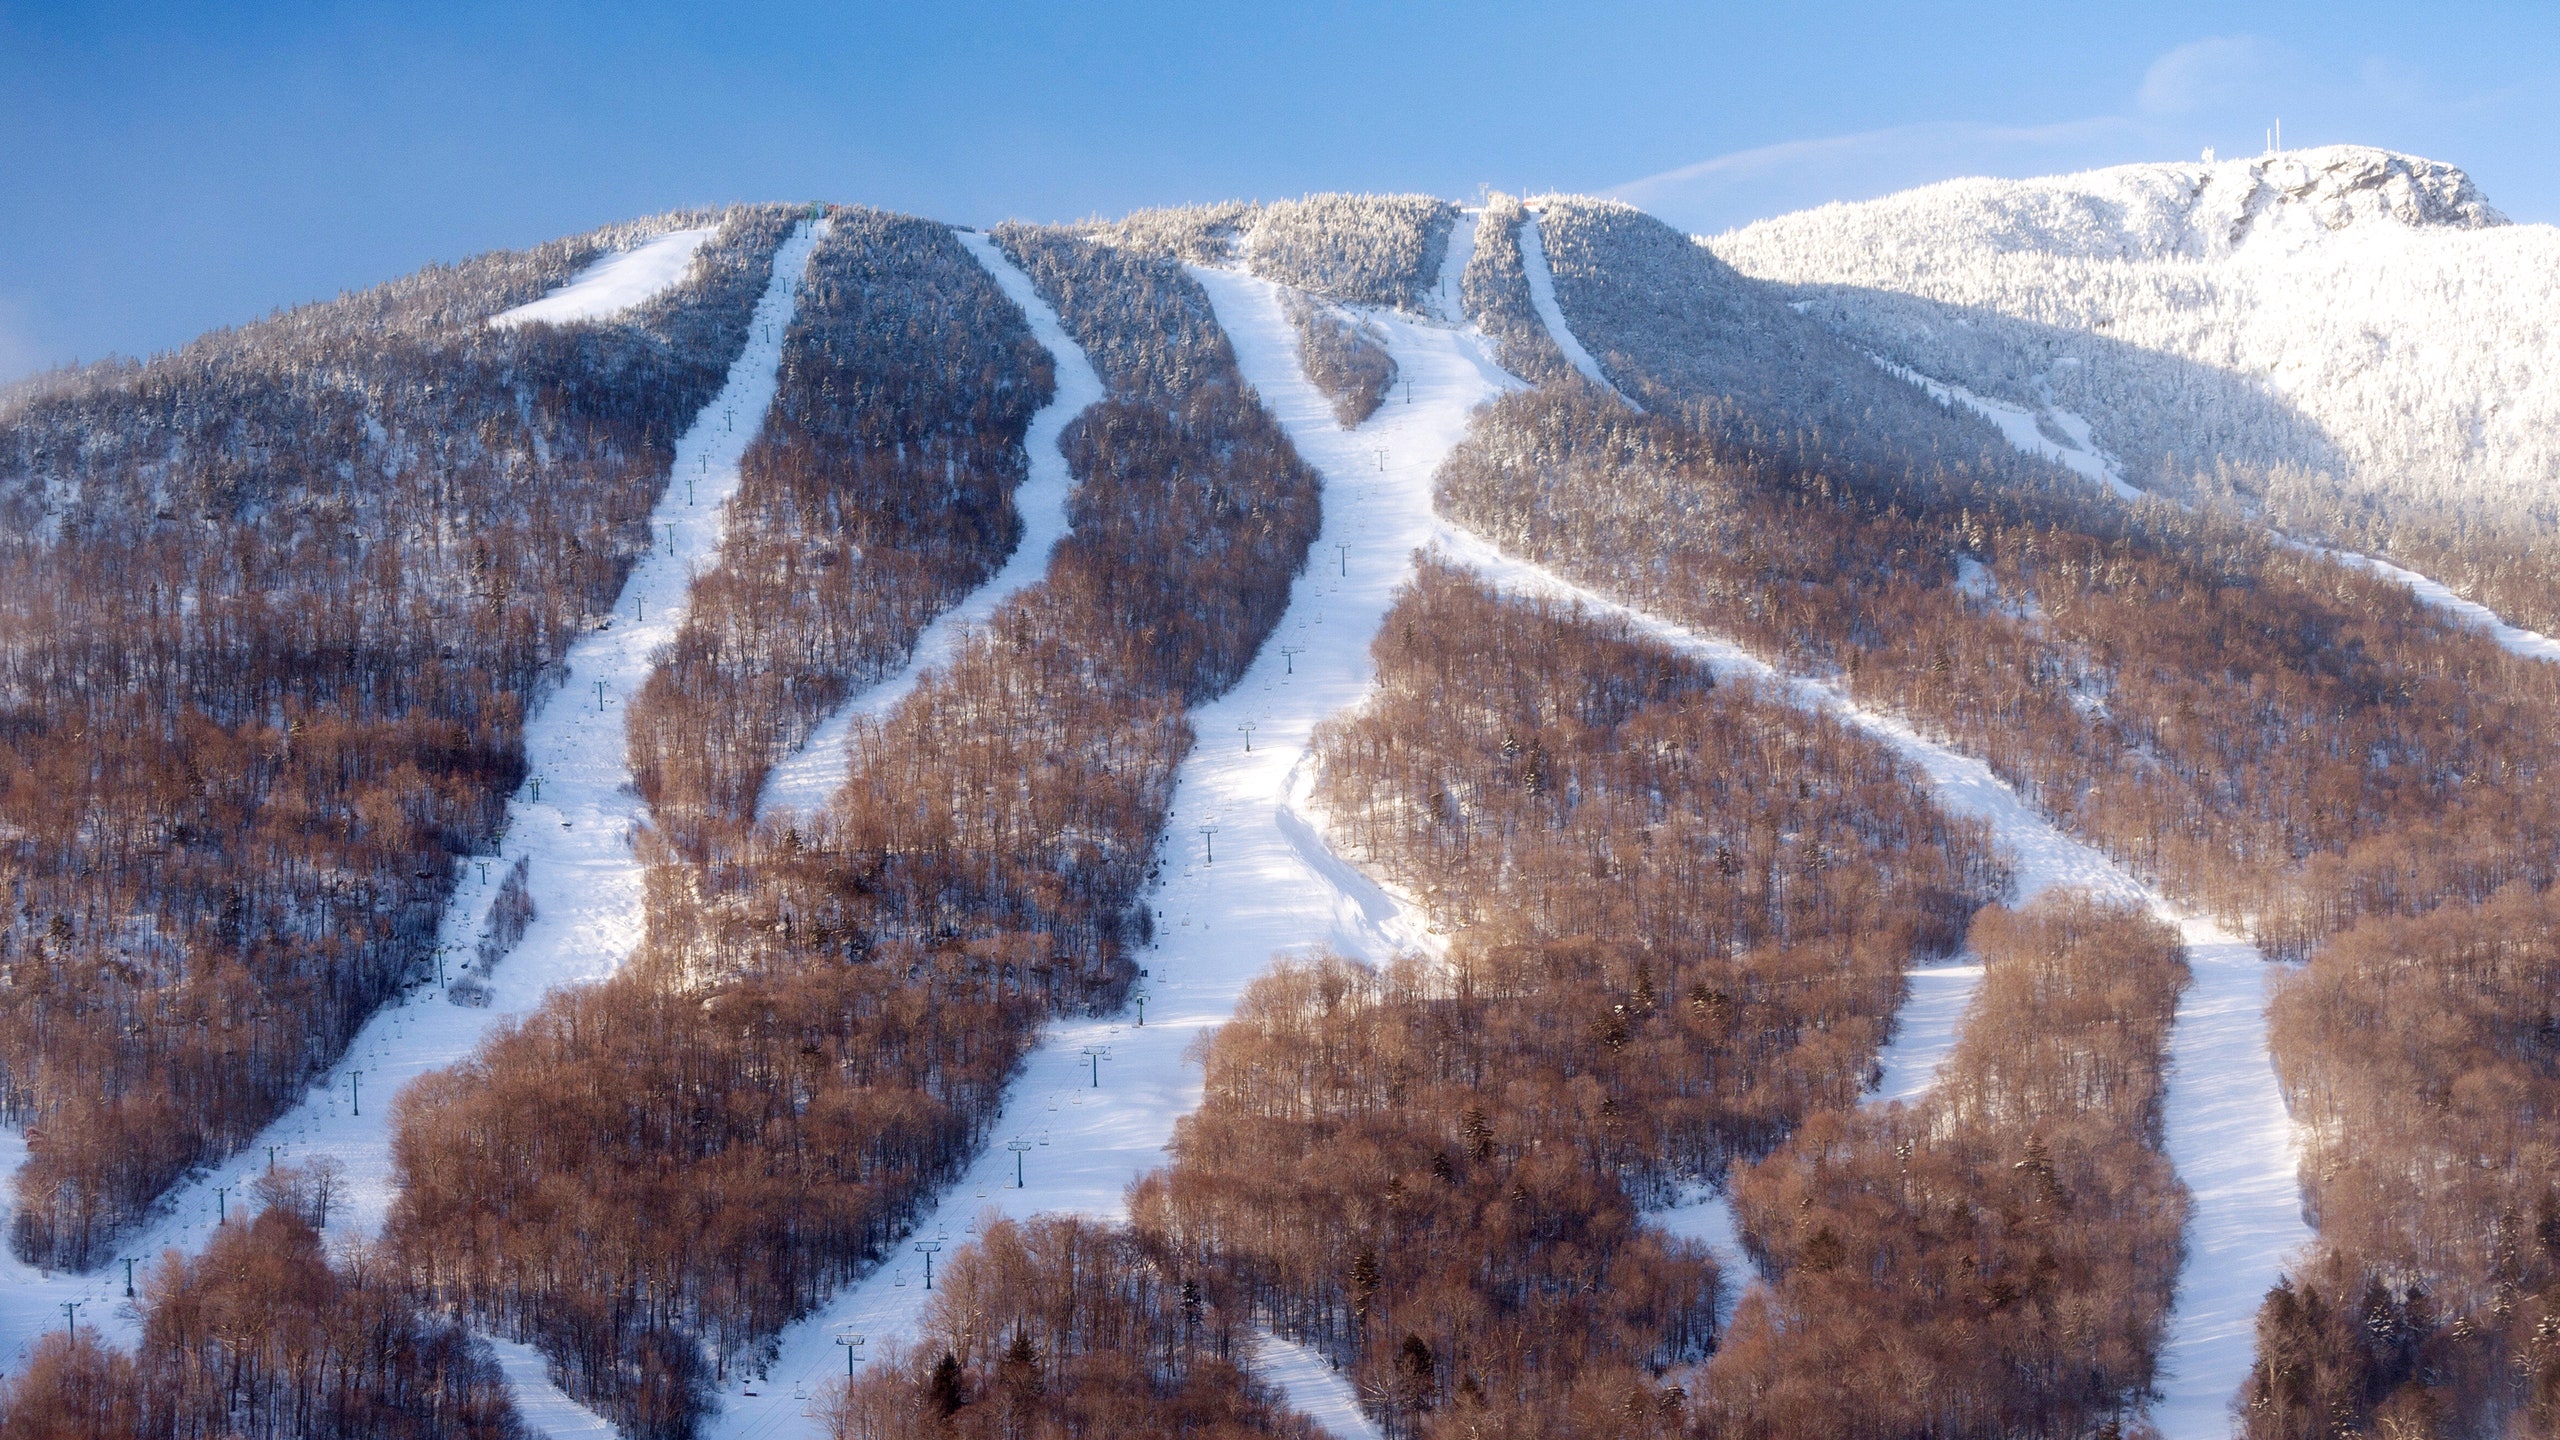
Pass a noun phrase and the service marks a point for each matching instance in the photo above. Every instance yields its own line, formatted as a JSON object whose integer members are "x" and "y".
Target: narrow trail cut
{"x": 809, "y": 776}
{"x": 615, "y": 283}
{"x": 1542, "y": 295}
{"x": 570, "y": 829}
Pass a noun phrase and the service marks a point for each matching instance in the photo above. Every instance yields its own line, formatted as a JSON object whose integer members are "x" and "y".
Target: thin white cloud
{"x": 1746, "y": 185}
{"x": 2223, "y": 90}
{"x": 1928, "y": 137}
{"x": 2209, "y": 74}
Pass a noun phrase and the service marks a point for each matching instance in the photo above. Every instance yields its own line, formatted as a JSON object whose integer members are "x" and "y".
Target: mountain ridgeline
{"x": 278, "y": 610}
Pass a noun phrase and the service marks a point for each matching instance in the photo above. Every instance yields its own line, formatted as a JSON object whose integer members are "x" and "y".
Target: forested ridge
{"x": 1996, "y": 1258}
{"x": 2287, "y": 742}
{"x": 1681, "y": 914}
{"x": 1494, "y": 292}
{"x": 822, "y": 1019}
{"x": 272, "y": 607}
{"x": 879, "y": 492}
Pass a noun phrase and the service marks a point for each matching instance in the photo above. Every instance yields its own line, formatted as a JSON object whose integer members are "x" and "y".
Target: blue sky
{"x": 167, "y": 168}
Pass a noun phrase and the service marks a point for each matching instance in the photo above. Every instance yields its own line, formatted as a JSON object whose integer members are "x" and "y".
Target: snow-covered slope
{"x": 1542, "y": 294}
{"x": 570, "y": 826}
{"x": 614, "y": 283}
{"x": 805, "y": 779}
{"x": 2342, "y": 310}
{"x": 2227, "y": 1130}
{"x": 1262, "y": 883}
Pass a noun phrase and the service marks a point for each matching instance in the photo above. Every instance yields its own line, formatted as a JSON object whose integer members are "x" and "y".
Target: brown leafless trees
{"x": 264, "y": 1338}
{"x": 651, "y": 1176}
{"x": 272, "y": 607}
{"x": 1682, "y": 913}
{"x": 1342, "y": 356}
{"x": 2422, "y": 1058}
{"x": 1997, "y": 1258}
{"x": 1059, "y": 1328}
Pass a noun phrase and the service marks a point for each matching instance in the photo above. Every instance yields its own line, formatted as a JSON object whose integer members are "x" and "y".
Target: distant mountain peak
{"x": 2272, "y": 204}
{"x": 2295, "y": 196}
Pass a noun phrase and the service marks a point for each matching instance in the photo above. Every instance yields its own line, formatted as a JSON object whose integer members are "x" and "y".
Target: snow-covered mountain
{"x": 2345, "y": 312}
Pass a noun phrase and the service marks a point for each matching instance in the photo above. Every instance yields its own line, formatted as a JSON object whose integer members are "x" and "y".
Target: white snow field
{"x": 615, "y": 283}
{"x": 1542, "y": 294}
{"x": 1925, "y": 1029}
{"x": 1259, "y": 883}
{"x": 805, "y": 779}
{"x": 575, "y": 839}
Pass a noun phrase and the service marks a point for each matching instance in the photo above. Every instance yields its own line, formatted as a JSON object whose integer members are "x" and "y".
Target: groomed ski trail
{"x": 616, "y": 282}
{"x": 1542, "y": 296}
{"x": 1308, "y": 1381}
{"x": 584, "y": 879}
{"x": 1262, "y": 884}
{"x": 545, "y": 1409}
{"x": 2228, "y": 1133}
{"x": 805, "y": 780}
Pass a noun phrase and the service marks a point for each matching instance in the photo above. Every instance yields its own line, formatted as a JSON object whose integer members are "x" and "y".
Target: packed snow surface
{"x": 576, "y": 840}
{"x": 805, "y": 779}
{"x": 1313, "y": 1386}
{"x": 1925, "y": 1029}
{"x": 545, "y": 1409}
{"x": 1542, "y": 295}
{"x": 615, "y": 283}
